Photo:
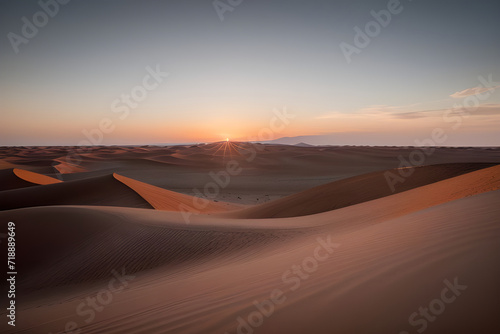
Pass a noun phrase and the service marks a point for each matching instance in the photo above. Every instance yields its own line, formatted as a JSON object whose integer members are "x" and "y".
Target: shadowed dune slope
{"x": 163, "y": 199}
{"x": 14, "y": 178}
{"x": 84, "y": 243}
{"x": 27, "y": 189}
{"x": 355, "y": 190}
{"x": 102, "y": 190}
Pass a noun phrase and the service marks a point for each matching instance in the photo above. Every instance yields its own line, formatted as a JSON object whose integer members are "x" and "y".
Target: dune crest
{"x": 15, "y": 178}
{"x": 359, "y": 189}
{"x": 101, "y": 190}
{"x": 35, "y": 177}
{"x": 163, "y": 199}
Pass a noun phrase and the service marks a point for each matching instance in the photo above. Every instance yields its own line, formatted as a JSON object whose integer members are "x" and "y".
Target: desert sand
{"x": 294, "y": 239}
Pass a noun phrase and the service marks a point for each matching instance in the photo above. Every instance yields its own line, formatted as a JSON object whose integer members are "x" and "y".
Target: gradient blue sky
{"x": 226, "y": 77}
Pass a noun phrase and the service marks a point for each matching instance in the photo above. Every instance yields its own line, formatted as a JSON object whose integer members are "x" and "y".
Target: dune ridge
{"x": 163, "y": 199}
{"x": 107, "y": 190}
{"x": 35, "y": 177}
{"x": 354, "y": 190}
{"x": 15, "y": 178}
{"x": 101, "y": 190}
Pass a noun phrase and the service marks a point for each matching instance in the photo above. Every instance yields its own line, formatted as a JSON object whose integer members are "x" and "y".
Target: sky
{"x": 345, "y": 72}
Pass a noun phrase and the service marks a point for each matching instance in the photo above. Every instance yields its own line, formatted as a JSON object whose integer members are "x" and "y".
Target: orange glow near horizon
{"x": 362, "y": 127}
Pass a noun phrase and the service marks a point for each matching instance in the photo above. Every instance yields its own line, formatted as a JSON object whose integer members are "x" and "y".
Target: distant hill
{"x": 301, "y": 144}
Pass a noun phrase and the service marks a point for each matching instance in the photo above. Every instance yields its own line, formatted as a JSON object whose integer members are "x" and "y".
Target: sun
{"x": 227, "y": 139}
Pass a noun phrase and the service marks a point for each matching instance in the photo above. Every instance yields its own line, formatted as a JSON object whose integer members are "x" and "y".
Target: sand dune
{"x": 378, "y": 210}
{"x": 17, "y": 178}
{"x": 85, "y": 254}
{"x": 354, "y": 190}
{"x": 102, "y": 190}
{"x": 348, "y": 256}
{"x": 9, "y": 180}
{"x": 163, "y": 199}
{"x": 399, "y": 264}
{"x": 165, "y": 237}
{"x": 35, "y": 177}
{"x": 379, "y": 276}
{"x": 110, "y": 190}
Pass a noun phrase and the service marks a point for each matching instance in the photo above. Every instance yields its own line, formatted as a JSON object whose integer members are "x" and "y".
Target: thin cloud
{"x": 482, "y": 110}
{"x": 396, "y": 112}
{"x": 472, "y": 91}
{"x": 385, "y": 109}
{"x": 370, "y": 111}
